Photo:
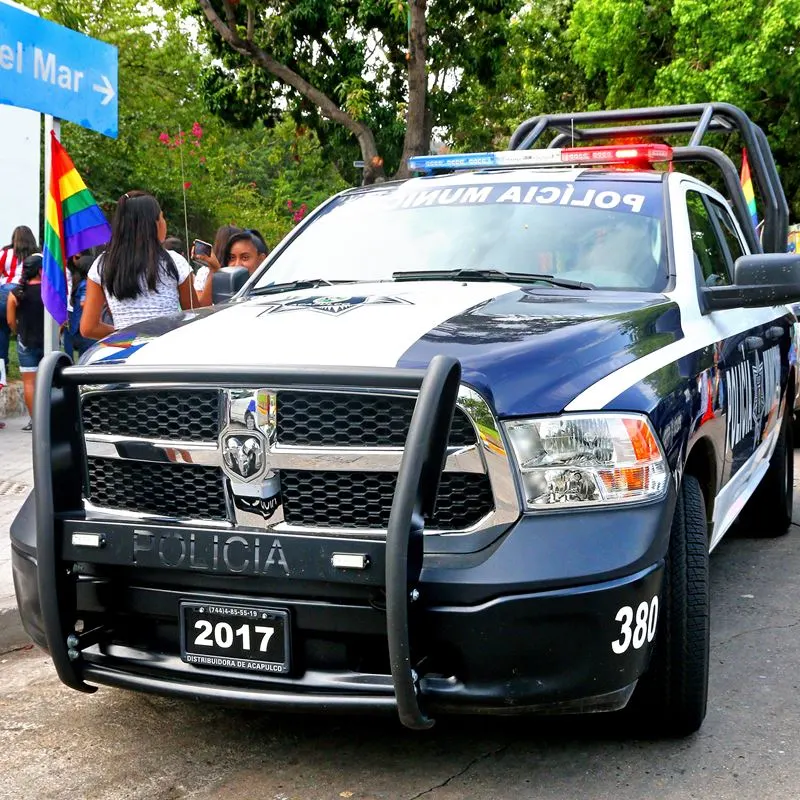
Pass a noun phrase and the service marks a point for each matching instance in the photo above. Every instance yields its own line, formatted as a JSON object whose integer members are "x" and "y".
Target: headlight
{"x": 587, "y": 459}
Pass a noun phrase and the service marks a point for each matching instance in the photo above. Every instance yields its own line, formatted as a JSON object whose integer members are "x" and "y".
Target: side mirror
{"x": 227, "y": 282}
{"x": 763, "y": 279}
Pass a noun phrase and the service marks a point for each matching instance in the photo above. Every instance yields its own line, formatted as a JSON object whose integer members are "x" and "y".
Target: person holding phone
{"x": 211, "y": 256}
{"x": 243, "y": 248}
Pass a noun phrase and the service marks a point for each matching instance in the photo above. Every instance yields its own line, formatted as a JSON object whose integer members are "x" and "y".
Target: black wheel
{"x": 768, "y": 512}
{"x": 670, "y": 699}
{"x": 249, "y": 421}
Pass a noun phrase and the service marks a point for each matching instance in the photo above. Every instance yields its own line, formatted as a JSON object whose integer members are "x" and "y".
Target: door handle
{"x": 775, "y": 332}
{"x": 752, "y": 343}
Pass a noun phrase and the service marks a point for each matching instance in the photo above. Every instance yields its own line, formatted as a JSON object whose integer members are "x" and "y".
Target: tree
{"x": 227, "y": 175}
{"x": 690, "y": 51}
{"x": 536, "y": 74}
{"x": 362, "y": 65}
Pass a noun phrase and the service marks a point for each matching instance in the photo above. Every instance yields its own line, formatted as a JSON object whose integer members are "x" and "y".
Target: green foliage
{"x": 354, "y": 51}
{"x": 536, "y": 74}
{"x": 491, "y": 64}
{"x": 232, "y": 175}
{"x": 691, "y": 51}
{"x": 12, "y": 368}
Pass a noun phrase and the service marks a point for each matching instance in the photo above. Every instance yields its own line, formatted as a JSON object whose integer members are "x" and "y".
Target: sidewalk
{"x": 16, "y": 480}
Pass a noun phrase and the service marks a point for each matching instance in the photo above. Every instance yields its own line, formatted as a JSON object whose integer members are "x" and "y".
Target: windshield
{"x": 605, "y": 233}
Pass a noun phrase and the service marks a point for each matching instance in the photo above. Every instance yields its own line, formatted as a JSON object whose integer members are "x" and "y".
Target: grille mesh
{"x": 364, "y": 499}
{"x": 172, "y": 414}
{"x": 194, "y": 492}
{"x": 318, "y": 419}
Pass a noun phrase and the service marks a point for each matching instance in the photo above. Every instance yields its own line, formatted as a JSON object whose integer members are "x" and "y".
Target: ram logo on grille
{"x": 244, "y": 455}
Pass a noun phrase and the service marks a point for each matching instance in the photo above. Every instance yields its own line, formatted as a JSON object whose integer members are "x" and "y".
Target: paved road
{"x": 61, "y": 744}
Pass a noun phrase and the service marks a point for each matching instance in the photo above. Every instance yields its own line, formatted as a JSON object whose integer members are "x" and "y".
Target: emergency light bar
{"x": 635, "y": 155}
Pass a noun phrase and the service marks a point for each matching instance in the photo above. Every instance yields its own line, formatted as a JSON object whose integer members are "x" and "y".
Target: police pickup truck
{"x": 501, "y": 414}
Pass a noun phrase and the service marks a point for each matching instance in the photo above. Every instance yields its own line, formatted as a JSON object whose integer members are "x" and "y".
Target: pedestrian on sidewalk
{"x": 72, "y": 331}
{"x": 2, "y": 384}
{"x": 136, "y": 276}
{"x": 25, "y": 317}
{"x": 23, "y": 244}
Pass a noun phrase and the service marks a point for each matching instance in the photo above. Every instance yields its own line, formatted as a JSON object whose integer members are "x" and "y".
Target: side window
{"x": 707, "y": 247}
{"x": 728, "y": 230}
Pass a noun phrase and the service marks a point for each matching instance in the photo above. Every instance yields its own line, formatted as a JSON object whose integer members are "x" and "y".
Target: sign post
{"x": 51, "y": 333}
{"x": 63, "y": 74}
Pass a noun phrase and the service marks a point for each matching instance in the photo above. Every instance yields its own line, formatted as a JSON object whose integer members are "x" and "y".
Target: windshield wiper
{"x": 488, "y": 275}
{"x": 308, "y": 283}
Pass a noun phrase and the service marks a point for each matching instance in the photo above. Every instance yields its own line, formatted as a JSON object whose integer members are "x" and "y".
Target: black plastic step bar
{"x": 697, "y": 120}
{"x": 59, "y": 460}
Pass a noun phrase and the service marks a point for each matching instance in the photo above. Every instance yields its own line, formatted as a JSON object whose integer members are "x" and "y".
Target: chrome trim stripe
{"x": 494, "y": 450}
{"x": 491, "y": 519}
{"x": 93, "y": 512}
{"x": 365, "y": 459}
{"x": 350, "y": 459}
{"x": 100, "y": 445}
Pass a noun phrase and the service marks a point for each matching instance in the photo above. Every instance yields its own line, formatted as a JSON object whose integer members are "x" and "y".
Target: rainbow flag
{"x": 747, "y": 188}
{"x": 73, "y": 222}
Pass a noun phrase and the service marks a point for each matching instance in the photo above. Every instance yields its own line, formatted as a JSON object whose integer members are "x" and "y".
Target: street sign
{"x": 57, "y": 71}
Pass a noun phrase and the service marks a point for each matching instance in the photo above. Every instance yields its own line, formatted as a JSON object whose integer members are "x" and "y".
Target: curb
{"x": 12, "y": 634}
{"x": 12, "y": 400}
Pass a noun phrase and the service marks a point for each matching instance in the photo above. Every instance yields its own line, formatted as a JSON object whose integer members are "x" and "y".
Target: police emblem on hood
{"x": 327, "y": 304}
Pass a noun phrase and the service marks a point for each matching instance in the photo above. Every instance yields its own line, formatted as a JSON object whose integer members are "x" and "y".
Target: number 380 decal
{"x": 636, "y": 628}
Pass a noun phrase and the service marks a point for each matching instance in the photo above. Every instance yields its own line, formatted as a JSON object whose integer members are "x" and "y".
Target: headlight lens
{"x": 588, "y": 459}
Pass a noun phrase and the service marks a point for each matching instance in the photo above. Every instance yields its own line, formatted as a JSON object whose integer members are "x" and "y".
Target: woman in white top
{"x": 136, "y": 277}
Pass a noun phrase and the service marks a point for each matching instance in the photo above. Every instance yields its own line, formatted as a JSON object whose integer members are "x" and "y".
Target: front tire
{"x": 671, "y": 697}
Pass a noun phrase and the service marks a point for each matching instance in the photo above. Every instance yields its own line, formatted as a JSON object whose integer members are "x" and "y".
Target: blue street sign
{"x": 57, "y": 71}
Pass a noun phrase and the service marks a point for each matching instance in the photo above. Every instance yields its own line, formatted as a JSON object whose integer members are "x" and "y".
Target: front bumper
{"x": 535, "y": 621}
{"x": 526, "y": 626}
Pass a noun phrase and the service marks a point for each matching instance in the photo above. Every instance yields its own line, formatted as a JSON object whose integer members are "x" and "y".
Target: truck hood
{"x": 528, "y": 350}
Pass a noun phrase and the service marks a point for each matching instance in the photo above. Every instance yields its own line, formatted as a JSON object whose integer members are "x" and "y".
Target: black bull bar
{"x": 59, "y": 447}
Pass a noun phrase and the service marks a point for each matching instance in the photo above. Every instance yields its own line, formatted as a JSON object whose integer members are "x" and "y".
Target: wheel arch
{"x": 701, "y": 462}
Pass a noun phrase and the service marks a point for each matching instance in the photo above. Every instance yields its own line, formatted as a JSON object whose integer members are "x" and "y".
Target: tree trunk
{"x": 417, "y": 139}
{"x": 373, "y": 163}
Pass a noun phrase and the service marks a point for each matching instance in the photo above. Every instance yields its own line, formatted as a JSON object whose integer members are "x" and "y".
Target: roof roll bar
{"x": 696, "y": 120}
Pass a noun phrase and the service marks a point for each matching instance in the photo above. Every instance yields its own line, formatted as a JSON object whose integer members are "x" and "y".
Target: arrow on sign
{"x": 107, "y": 90}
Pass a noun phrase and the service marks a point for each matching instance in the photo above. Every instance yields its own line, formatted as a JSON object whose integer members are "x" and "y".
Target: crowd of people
{"x": 140, "y": 274}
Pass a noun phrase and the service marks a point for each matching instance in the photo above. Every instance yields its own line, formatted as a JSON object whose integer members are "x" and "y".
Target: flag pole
{"x": 51, "y": 328}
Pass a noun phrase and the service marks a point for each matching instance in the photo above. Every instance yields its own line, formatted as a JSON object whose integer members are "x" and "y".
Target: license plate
{"x": 235, "y": 637}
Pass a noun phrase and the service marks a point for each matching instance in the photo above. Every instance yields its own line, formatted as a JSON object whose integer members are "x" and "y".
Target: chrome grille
{"x": 364, "y": 499}
{"x": 190, "y": 415}
{"x": 333, "y": 454}
{"x": 168, "y": 490}
{"x": 325, "y": 419}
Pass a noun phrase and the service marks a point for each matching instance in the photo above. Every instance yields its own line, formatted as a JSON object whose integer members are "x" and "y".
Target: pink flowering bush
{"x": 180, "y": 139}
{"x": 196, "y": 133}
{"x": 297, "y": 212}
